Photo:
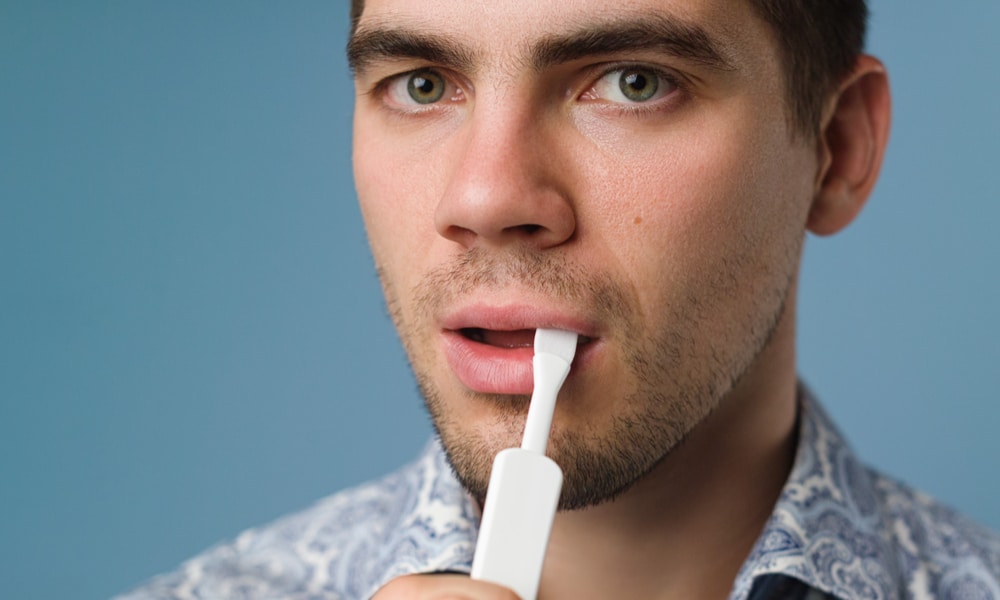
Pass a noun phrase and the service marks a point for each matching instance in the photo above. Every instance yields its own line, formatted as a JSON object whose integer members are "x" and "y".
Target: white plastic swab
{"x": 525, "y": 484}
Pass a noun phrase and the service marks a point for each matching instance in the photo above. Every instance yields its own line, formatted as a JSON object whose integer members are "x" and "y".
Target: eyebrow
{"x": 367, "y": 47}
{"x": 653, "y": 32}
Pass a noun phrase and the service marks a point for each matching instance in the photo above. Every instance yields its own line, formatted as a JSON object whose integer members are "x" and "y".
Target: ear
{"x": 852, "y": 141}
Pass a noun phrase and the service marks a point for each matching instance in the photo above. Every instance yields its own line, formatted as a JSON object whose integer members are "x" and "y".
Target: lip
{"x": 497, "y": 370}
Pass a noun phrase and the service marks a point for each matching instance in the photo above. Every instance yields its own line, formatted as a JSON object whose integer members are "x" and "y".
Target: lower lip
{"x": 489, "y": 369}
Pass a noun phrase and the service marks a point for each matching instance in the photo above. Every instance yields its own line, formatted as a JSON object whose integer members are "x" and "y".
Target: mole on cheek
{"x": 637, "y": 220}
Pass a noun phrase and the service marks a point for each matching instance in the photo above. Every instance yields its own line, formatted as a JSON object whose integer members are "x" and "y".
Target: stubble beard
{"x": 671, "y": 394}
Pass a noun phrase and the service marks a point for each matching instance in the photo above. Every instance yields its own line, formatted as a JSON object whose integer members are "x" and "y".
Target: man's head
{"x": 636, "y": 174}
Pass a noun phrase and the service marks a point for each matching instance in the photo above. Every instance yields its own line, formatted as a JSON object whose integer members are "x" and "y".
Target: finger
{"x": 442, "y": 587}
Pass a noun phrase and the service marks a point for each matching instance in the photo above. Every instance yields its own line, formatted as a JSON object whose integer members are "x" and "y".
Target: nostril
{"x": 530, "y": 229}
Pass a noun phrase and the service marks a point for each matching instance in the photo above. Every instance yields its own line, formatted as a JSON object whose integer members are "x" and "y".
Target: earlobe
{"x": 852, "y": 141}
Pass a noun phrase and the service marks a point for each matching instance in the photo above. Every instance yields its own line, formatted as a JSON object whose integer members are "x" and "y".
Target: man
{"x": 642, "y": 175}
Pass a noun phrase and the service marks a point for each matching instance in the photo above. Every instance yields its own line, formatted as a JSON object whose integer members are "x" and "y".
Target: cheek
{"x": 728, "y": 195}
{"x": 396, "y": 191}
{"x": 684, "y": 206}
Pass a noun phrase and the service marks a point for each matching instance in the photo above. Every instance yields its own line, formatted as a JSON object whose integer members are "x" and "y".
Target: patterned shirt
{"x": 838, "y": 530}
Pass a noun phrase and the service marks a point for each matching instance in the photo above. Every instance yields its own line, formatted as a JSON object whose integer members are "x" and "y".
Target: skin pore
{"x": 630, "y": 173}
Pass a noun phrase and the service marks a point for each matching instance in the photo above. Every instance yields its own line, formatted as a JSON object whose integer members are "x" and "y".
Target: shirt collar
{"x": 826, "y": 528}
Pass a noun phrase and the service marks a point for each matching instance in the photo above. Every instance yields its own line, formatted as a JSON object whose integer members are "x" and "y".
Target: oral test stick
{"x": 525, "y": 484}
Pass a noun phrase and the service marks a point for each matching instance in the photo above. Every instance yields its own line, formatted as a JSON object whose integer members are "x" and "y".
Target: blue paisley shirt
{"x": 839, "y": 530}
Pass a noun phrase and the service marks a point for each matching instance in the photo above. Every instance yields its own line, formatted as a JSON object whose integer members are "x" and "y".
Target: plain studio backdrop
{"x": 193, "y": 340}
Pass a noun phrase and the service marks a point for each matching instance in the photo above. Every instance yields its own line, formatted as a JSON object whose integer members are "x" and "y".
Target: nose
{"x": 505, "y": 186}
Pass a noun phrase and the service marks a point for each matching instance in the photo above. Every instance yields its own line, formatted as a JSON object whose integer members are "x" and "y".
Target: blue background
{"x": 193, "y": 341}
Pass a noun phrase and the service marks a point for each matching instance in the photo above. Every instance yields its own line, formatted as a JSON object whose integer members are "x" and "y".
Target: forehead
{"x": 511, "y": 25}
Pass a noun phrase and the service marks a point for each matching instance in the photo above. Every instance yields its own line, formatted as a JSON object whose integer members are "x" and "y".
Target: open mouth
{"x": 494, "y": 361}
{"x": 520, "y": 338}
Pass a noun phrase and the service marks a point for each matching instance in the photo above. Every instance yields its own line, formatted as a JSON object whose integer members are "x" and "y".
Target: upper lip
{"x": 514, "y": 317}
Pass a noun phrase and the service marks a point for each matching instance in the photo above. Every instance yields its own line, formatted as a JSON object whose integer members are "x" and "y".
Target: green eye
{"x": 638, "y": 85}
{"x": 425, "y": 87}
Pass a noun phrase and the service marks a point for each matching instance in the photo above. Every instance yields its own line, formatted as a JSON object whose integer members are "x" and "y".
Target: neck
{"x": 684, "y": 530}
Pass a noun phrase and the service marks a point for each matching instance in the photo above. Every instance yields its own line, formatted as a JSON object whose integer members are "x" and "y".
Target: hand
{"x": 442, "y": 587}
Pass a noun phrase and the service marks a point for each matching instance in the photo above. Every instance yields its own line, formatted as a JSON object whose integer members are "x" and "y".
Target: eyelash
{"x": 383, "y": 88}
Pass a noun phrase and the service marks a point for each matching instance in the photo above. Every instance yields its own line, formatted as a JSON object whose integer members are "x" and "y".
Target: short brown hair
{"x": 820, "y": 40}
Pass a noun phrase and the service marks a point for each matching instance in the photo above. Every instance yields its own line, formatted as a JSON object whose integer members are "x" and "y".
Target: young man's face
{"x": 623, "y": 170}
